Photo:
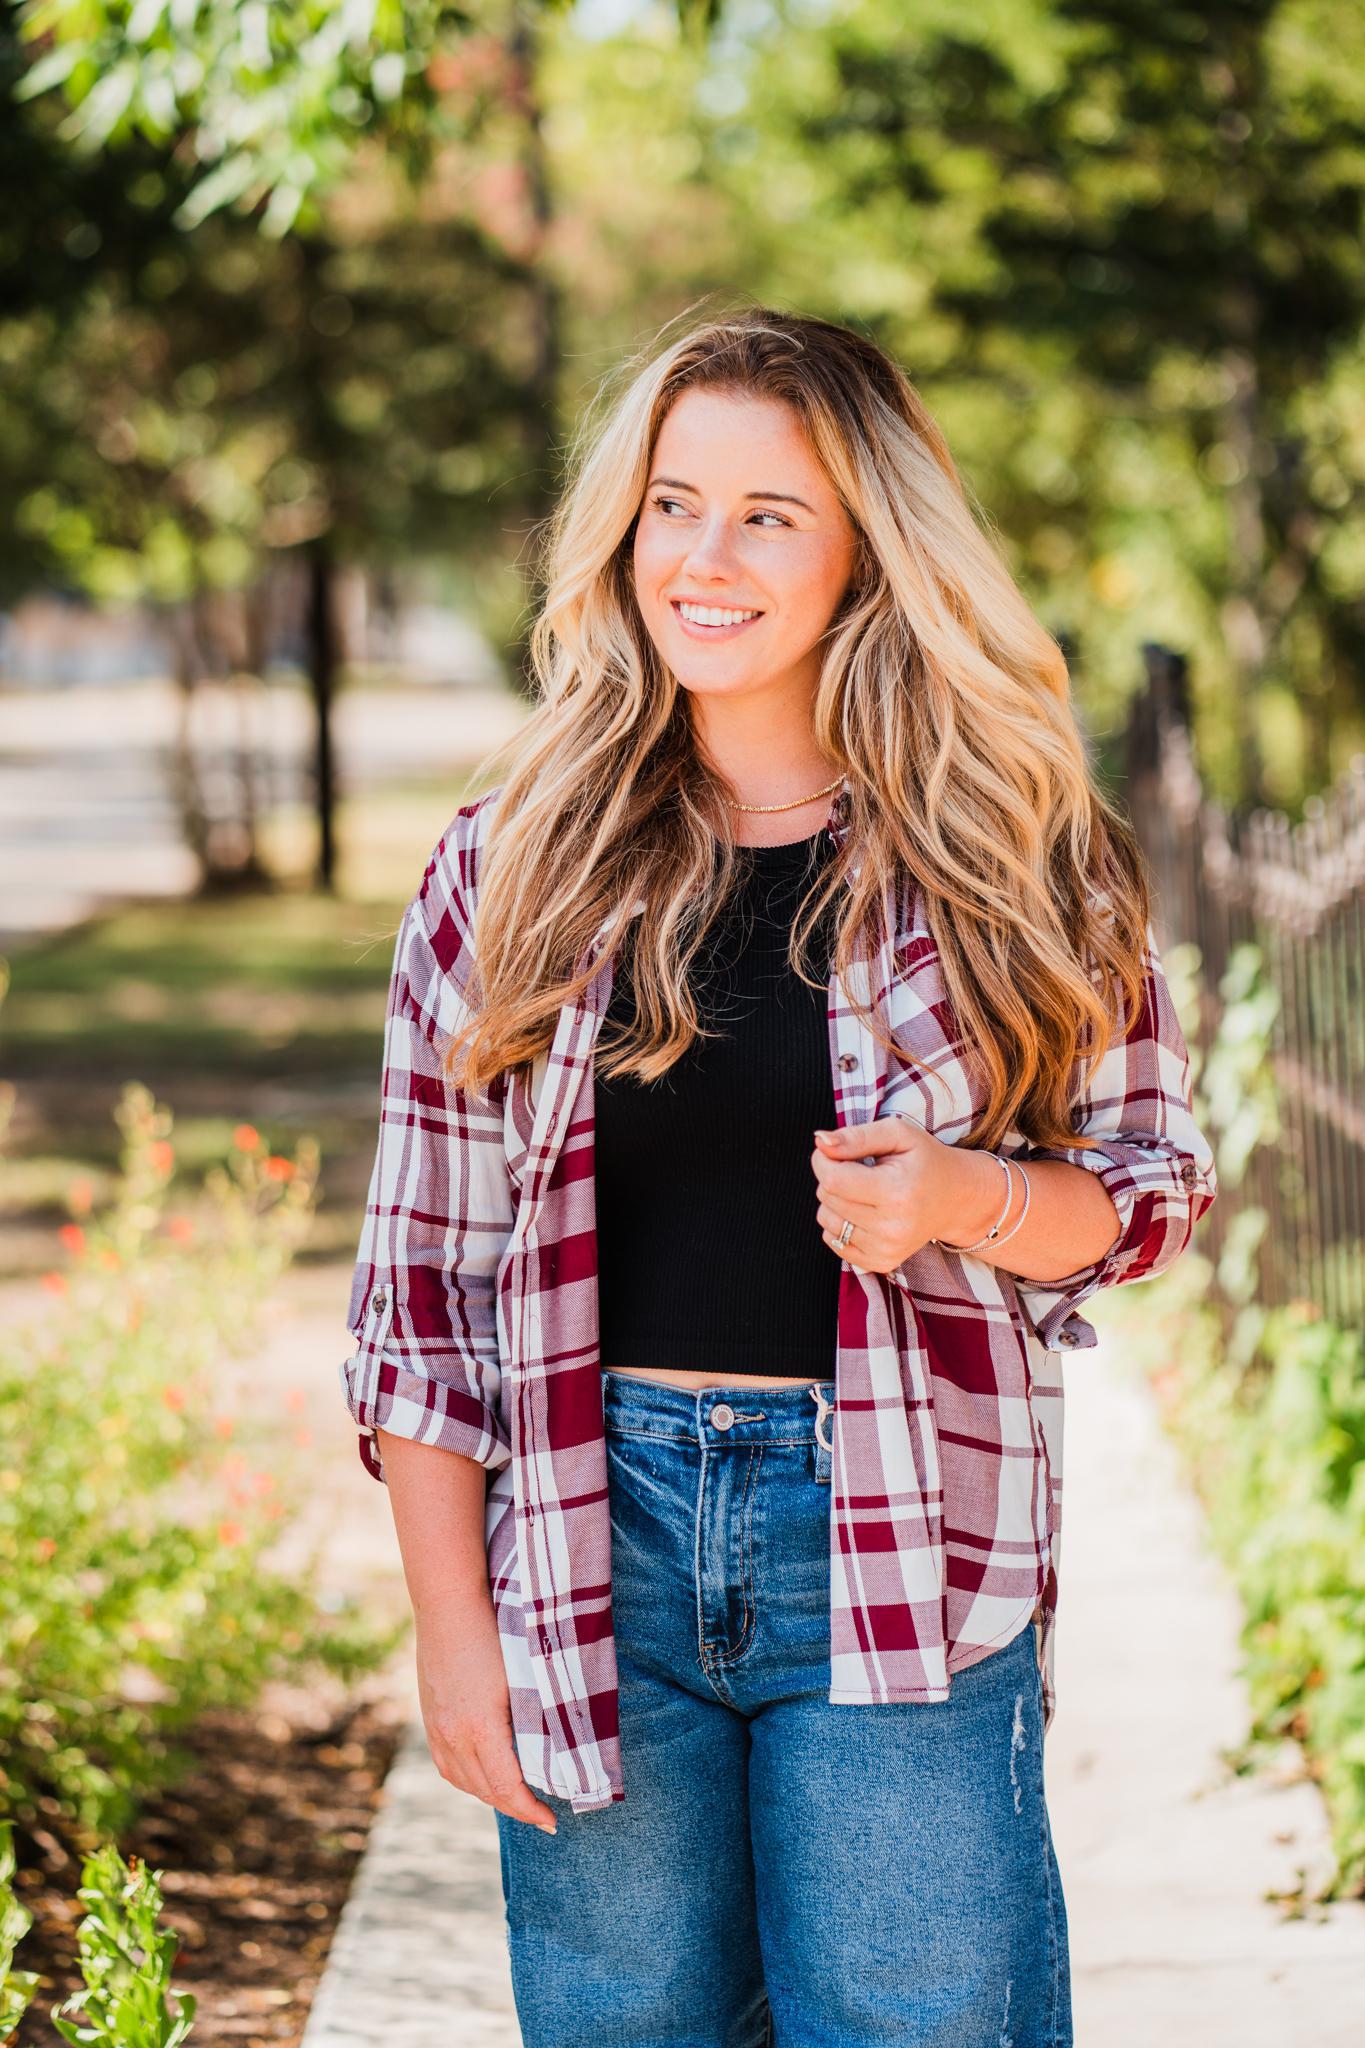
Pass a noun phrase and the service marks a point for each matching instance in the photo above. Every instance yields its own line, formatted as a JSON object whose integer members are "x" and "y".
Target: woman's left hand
{"x": 896, "y": 1202}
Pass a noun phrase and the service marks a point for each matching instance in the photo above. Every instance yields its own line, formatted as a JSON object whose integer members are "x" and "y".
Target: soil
{"x": 257, "y": 1845}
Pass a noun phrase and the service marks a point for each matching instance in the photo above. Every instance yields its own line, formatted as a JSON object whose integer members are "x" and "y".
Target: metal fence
{"x": 1297, "y": 892}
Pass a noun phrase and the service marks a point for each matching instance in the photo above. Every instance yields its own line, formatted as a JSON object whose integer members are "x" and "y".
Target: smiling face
{"x": 742, "y": 549}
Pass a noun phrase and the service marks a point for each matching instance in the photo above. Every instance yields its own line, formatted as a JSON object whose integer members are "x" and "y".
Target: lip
{"x": 713, "y": 633}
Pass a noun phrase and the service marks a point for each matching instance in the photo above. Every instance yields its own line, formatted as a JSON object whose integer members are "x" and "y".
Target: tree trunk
{"x": 323, "y": 662}
{"x": 184, "y": 771}
{"x": 545, "y": 299}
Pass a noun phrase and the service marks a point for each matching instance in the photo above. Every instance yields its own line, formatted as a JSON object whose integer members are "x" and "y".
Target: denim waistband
{"x": 737, "y": 1411}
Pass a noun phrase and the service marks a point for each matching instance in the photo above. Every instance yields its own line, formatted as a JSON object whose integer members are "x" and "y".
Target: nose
{"x": 712, "y": 553}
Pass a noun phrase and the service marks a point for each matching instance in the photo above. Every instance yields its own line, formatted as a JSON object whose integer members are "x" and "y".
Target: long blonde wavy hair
{"x": 941, "y": 697}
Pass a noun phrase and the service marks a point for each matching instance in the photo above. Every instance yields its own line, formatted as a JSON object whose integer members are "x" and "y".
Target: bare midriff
{"x": 666, "y": 1377}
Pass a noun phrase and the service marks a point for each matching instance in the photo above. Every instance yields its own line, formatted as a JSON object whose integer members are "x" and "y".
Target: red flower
{"x": 246, "y": 1138}
{"x": 55, "y": 1283}
{"x": 161, "y": 1154}
{"x": 73, "y": 1237}
{"x": 279, "y": 1169}
{"x": 180, "y": 1228}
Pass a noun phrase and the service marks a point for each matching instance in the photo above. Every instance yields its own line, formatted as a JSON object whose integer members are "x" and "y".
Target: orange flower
{"x": 80, "y": 1197}
{"x": 109, "y": 1257}
{"x": 55, "y": 1283}
{"x": 263, "y": 1482}
{"x": 161, "y": 1153}
{"x": 230, "y": 1532}
{"x": 296, "y": 1400}
{"x": 279, "y": 1169}
{"x": 246, "y": 1138}
{"x": 73, "y": 1237}
{"x": 303, "y": 1438}
{"x": 180, "y": 1228}
{"x": 45, "y": 1546}
{"x": 174, "y": 1397}
{"x": 223, "y": 1425}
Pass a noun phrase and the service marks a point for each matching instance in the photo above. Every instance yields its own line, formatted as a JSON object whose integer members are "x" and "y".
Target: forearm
{"x": 1071, "y": 1220}
{"x": 439, "y": 1499}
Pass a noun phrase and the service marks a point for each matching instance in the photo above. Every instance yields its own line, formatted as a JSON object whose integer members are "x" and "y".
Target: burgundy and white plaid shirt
{"x": 474, "y": 1306}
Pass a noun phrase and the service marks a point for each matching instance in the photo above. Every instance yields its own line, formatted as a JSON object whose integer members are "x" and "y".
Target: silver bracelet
{"x": 995, "y": 1227}
{"x": 1028, "y": 1197}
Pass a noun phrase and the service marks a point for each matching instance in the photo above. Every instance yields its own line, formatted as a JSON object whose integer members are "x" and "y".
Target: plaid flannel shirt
{"x": 474, "y": 1309}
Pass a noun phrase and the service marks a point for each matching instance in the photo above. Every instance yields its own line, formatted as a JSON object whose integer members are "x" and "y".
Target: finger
{"x": 852, "y": 1141}
{"x": 860, "y": 1245}
{"x": 460, "y": 1765}
{"x": 508, "y": 1789}
{"x": 832, "y": 1216}
{"x": 848, "y": 1253}
{"x": 848, "y": 1180}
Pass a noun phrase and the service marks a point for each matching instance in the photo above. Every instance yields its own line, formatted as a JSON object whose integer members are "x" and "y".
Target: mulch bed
{"x": 258, "y": 1845}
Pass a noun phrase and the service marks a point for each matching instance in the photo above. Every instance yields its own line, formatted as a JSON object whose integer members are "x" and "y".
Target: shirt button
{"x": 1067, "y": 1337}
{"x": 847, "y": 1061}
{"x": 1189, "y": 1173}
{"x": 722, "y": 1415}
{"x": 380, "y": 1298}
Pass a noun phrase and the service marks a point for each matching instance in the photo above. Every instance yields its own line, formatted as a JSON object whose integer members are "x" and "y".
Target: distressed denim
{"x": 784, "y": 1870}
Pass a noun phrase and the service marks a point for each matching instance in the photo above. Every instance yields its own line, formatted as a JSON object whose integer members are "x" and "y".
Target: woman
{"x": 742, "y": 1164}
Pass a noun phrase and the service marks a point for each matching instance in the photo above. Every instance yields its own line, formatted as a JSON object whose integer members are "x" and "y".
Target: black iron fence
{"x": 1296, "y": 892}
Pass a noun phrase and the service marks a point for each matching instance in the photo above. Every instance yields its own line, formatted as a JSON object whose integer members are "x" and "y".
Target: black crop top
{"x": 710, "y": 1256}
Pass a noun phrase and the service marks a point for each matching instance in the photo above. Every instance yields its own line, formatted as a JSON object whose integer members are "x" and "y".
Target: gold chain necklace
{"x": 793, "y": 806}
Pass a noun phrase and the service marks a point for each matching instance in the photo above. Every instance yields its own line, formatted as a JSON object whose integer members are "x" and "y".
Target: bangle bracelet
{"x": 1028, "y": 1197}
{"x": 993, "y": 1233}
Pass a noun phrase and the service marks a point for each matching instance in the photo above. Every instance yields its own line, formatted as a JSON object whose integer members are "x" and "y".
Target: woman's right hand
{"x": 438, "y": 1499}
{"x": 466, "y": 1711}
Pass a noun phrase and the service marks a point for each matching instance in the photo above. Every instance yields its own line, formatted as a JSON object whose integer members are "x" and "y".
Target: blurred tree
{"x": 1160, "y": 210}
{"x": 272, "y": 108}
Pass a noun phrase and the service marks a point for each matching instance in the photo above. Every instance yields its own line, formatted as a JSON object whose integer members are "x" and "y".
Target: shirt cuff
{"x": 382, "y": 1395}
{"x": 1156, "y": 1213}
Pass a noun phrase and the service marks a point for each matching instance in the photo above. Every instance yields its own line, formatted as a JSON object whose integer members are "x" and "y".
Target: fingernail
{"x": 824, "y": 1134}
{"x": 547, "y": 1827}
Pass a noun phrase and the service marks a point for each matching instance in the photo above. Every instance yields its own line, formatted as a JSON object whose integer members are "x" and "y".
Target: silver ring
{"x": 845, "y": 1234}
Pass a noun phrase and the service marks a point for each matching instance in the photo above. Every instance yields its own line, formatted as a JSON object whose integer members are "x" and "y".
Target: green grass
{"x": 264, "y": 1007}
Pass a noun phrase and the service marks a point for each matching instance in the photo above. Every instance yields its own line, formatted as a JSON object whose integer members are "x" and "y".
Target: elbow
{"x": 452, "y": 1413}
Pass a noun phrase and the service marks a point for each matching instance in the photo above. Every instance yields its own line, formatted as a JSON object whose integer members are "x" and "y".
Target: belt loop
{"x": 822, "y": 1409}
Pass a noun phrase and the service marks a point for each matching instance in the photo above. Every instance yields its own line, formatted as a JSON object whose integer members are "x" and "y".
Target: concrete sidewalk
{"x": 1167, "y": 1859}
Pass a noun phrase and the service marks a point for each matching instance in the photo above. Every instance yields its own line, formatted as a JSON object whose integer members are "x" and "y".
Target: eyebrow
{"x": 783, "y": 497}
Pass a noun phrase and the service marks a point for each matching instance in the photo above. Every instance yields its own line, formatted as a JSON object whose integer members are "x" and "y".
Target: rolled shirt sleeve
{"x": 438, "y": 1215}
{"x": 1151, "y": 1156}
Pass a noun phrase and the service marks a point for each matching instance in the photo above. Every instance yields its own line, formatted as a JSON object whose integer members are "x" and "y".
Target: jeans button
{"x": 722, "y": 1415}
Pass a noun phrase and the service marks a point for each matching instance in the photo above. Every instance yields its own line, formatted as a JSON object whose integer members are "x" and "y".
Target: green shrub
{"x": 1277, "y": 1454}
{"x": 1268, "y": 1409}
{"x": 16, "y": 1986}
{"x": 125, "y": 1957}
{"x": 135, "y": 1584}
{"x": 126, "y": 1961}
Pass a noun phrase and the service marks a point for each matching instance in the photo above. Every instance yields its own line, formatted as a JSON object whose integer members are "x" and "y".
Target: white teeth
{"x": 706, "y": 615}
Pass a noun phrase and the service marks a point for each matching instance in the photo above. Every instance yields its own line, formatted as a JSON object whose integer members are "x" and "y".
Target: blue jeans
{"x": 782, "y": 1869}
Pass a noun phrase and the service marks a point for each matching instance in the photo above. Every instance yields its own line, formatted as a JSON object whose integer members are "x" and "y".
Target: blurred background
{"x": 299, "y": 306}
